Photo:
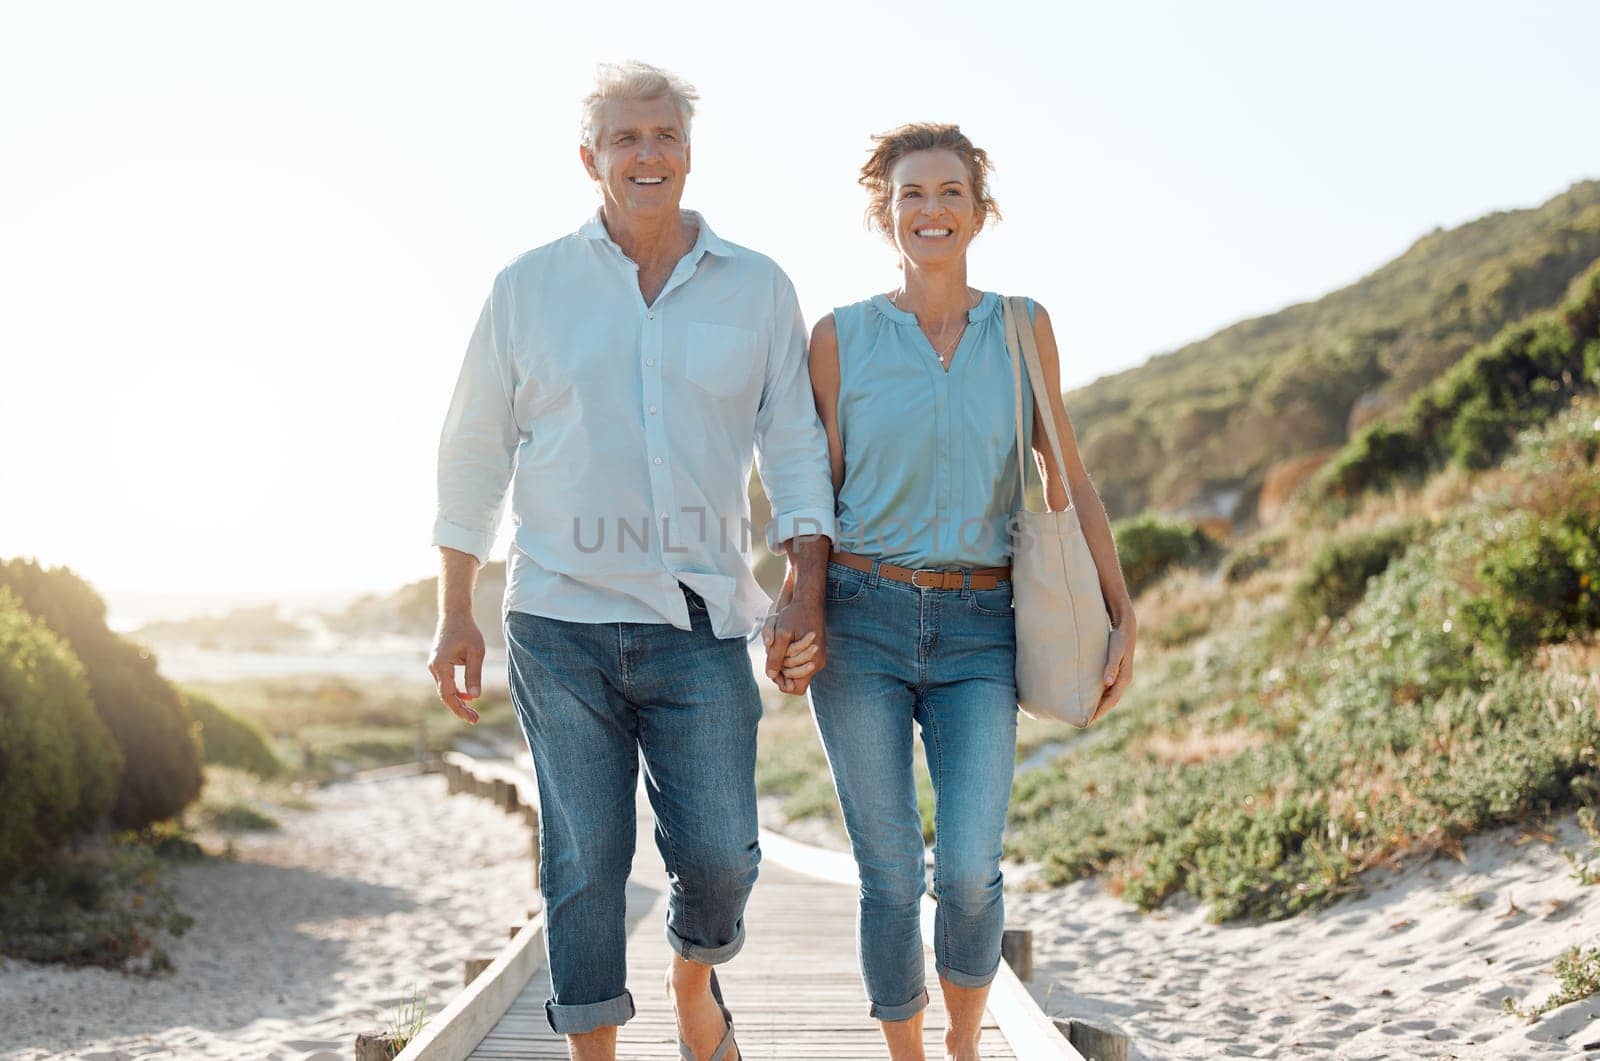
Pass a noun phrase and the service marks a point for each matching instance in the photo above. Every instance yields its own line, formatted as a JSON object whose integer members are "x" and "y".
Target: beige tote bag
{"x": 1063, "y": 628}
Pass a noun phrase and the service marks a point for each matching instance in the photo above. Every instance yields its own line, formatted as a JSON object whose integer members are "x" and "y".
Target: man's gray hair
{"x": 634, "y": 80}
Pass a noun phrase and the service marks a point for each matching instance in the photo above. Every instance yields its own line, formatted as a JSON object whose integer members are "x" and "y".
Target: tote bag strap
{"x": 1024, "y": 454}
{"x": 1019, "y": 334}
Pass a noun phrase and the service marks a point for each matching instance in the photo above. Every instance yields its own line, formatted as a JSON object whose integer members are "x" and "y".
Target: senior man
{"x": 618, "y": 380}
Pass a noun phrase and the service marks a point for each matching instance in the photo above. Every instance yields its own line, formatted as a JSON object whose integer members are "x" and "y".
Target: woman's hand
{"x": 1119, "y": 664}
{"x": 800, "y": 660}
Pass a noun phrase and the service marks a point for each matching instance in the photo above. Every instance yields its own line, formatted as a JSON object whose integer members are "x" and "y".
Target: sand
{"x": 310, "y": 935}
{"x": 324, "y": 929}
{"x": 1414, "y": 968}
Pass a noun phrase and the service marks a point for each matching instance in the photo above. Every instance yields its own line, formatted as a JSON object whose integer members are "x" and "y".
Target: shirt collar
{"x": 707, "y": 241}
{"x": 988, "y": 303}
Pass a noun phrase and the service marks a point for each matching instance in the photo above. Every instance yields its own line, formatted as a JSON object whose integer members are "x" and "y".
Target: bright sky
{"x": 242, "y": 246}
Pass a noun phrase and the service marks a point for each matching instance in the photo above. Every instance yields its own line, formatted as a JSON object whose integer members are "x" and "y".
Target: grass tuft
{"x": 1577, "y": 973}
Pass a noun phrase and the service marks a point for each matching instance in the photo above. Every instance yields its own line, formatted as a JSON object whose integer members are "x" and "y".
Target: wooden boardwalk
{"x": 795, "y": 990}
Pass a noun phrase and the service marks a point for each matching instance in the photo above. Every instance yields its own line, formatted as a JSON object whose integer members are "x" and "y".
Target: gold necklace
{"x": 953, "y": 343}
{"x": 940, "y": 354}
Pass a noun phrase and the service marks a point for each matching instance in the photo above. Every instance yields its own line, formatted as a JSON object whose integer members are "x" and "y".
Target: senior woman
{"x": 915, "y": 391}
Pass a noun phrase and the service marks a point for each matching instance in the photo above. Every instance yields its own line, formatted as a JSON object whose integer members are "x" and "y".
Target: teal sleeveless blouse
{"x": 930, "y": 457}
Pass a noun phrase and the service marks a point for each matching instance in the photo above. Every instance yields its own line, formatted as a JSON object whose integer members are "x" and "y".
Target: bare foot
{"x": 700, "y": 1022}
{"x": 960, "y": 1051}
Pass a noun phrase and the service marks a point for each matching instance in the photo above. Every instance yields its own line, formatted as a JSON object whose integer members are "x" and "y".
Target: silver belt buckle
{"x": 923, "y": 571}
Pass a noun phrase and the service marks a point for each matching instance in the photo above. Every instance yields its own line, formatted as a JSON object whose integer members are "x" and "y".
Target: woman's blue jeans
{"x": 944, "y": 661}
{"x": 592, "y": 698}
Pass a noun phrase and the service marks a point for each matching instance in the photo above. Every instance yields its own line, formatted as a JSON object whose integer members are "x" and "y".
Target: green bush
{"x": 1337, "y": 576}
{"x": 110, "y": 906}
{"x": 1520, "y": 381}
{"x": 1150, "y": 546}
{"x": 58, "y": 763}
{"x": 1471, "y": 414}
{"x": 228, "y": 740}
{"x": 1380, "y": 454}
{"x": 1581, "y": 310}
{"x": 1542, "y": 583}
{"x": 1256, "y": 556}
{"x": 161, "y": 771}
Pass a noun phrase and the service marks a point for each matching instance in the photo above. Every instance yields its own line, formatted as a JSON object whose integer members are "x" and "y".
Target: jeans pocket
{"x": 844, "y": 584}
{"x": 995, "y": 602}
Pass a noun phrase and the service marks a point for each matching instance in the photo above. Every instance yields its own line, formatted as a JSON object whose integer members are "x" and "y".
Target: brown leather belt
{"x": 926, "y": 577}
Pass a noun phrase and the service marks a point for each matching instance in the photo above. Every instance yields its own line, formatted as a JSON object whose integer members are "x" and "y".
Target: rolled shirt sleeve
{"x": 478, "y": 446}
{"x": 791, "y": 448}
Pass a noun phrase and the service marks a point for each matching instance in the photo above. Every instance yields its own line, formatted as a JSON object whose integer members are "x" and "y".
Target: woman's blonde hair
{"x": 892, "y": 146}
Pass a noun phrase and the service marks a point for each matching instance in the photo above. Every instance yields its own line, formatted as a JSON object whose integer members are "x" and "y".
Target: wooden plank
{"x": 472, "y": 1014}
{"x": 1025, "y": 1026}
{"x": 1019, "y": 1019}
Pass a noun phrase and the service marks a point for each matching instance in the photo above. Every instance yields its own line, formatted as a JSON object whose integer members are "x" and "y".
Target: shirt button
{"x": 658, "y": 460}
{"x": 650, "y": 361}
{"x": 650, "y": 316}
{"x": 652, "y": 410}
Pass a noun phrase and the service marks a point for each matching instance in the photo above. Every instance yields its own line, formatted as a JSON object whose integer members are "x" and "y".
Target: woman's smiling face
{"x": 935, "y": 216}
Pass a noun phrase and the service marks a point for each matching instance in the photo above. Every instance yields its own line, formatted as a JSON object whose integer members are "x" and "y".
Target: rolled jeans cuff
{"x": 575, "y": 1020}
{"x": 706, "y": 955}
{"x": 905, "y": 1011}
{"x": 961, "y": 979}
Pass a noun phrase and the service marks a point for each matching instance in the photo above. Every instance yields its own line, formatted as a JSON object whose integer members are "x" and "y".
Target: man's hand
{"x": 458, "y": 641}
{"x": 796, "y": 637}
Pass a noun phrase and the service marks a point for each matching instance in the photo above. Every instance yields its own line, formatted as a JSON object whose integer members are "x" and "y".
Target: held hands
{"x": 796, "y": 641}
{"x": 799, "y": 661}
{"x": 458, "y": 641}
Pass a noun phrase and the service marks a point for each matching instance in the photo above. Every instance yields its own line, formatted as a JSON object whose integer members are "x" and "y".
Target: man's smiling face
{"x": 640, "y": 158}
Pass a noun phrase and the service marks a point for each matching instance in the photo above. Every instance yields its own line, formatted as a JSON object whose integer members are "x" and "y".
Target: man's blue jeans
{"x": 591, "y": 697}
{"x": 945, "y": 660}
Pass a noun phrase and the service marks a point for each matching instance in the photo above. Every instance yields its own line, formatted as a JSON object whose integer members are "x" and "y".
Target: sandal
{"x": 727, "y": 1044}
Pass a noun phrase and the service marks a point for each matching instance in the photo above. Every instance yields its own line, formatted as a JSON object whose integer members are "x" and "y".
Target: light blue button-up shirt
{"x": 625, "y": 432}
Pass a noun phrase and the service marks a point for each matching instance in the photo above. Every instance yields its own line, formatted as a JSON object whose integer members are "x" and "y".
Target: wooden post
{"x": 1095, "y": 1044}
{"x": 375, "y": 1046}
{"x": 1016, "y": 947}
{"x": 474, "y": 968}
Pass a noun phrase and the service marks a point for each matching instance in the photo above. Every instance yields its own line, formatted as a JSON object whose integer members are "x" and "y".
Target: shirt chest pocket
{"x": 722, "y": 359}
